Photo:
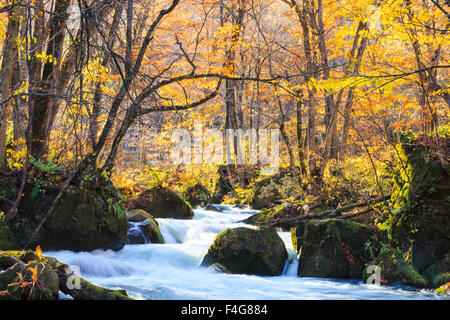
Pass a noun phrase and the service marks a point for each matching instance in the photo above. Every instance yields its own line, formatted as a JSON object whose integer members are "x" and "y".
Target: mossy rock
{"x": 438, "y": 273}
{"x": 138, "y": 215}
{"x": 419, "y": 219}
{"x": 248, "y": 251}
{"x": 197, "y": 196}
{"x": 265, "y": 196}
{"x": 396, "y": 268}
{"x": 84, "y": 219}
{"x": 161, "y": 202}
{"x": 265, "y": 191}
{"x": 46, "y": 286}
{"x": 335, "y": 248}
{"x": 147, "y": 226}
{"x": 7, "y": 258}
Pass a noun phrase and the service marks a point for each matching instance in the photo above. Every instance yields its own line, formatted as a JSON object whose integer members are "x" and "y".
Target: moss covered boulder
{"x": 335, "y": 248}
{"x": 143, "y": 228}
{"x": 162, "y": 202}
{"x": 85, "y": 218}
{"x": 197, "y": 196}
{"x": 248, "y": 251}
{"x": 396, "y": 267}
{"x": 31, "y": 281}
{"x": 419, "y": 218}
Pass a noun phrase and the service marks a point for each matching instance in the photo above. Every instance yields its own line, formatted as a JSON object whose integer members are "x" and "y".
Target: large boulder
{"x": 197, "y": 196}
{"x": 161, "y": 202}
{"x": 84, "y": 219}
{"x": 335, "y": 248}
{"x": 248, "y": 251}
{"x": 143, "y": 228}
{"x": 419, "y": 218}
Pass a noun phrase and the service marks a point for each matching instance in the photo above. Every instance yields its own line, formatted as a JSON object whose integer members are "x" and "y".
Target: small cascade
{"x": 135, "y": 234}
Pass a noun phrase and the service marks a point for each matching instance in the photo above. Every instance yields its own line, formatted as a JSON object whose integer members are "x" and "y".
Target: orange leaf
{"x": 39, "y": 252}
{"x": 34, "y": 276}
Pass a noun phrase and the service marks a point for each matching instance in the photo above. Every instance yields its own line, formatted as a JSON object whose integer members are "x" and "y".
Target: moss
{"x": 6, "y": 261}
{"x": 396, "y": 268}
{"x": 419, "y": 214}
{"x": 46, "y": 286}
{"x": 335, "y": 249}
{"x": 438, "y": 273}
{"x": 84, "y": 219}
{"x": 249, "y": 251}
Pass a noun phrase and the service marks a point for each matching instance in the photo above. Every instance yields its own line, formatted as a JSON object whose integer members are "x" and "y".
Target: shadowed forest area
{"x": 340, "y": 112}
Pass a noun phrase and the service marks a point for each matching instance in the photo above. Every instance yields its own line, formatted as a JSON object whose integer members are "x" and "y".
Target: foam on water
{"x": 171, "y": 270}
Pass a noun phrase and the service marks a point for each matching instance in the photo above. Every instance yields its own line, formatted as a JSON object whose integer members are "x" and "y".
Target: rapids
{"x": 171, "y": 270}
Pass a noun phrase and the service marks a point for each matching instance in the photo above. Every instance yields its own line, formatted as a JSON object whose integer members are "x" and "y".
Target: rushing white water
{"x": 171, "y": 270}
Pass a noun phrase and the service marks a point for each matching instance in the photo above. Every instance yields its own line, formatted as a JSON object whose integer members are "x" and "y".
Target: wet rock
{"x": 248, "y": 251}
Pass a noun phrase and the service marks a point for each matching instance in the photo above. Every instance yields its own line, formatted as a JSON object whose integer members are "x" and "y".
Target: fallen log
{"x": 335, "y": 213}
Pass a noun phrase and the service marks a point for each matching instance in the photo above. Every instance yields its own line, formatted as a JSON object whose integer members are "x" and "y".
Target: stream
{"x": 171, "y": 270}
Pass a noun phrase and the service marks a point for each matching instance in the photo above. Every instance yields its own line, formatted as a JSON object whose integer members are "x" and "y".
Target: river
{"x": 171, "y": 270}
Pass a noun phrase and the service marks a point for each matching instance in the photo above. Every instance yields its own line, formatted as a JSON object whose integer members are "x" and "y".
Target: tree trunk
{"x": 9, "y": 56}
